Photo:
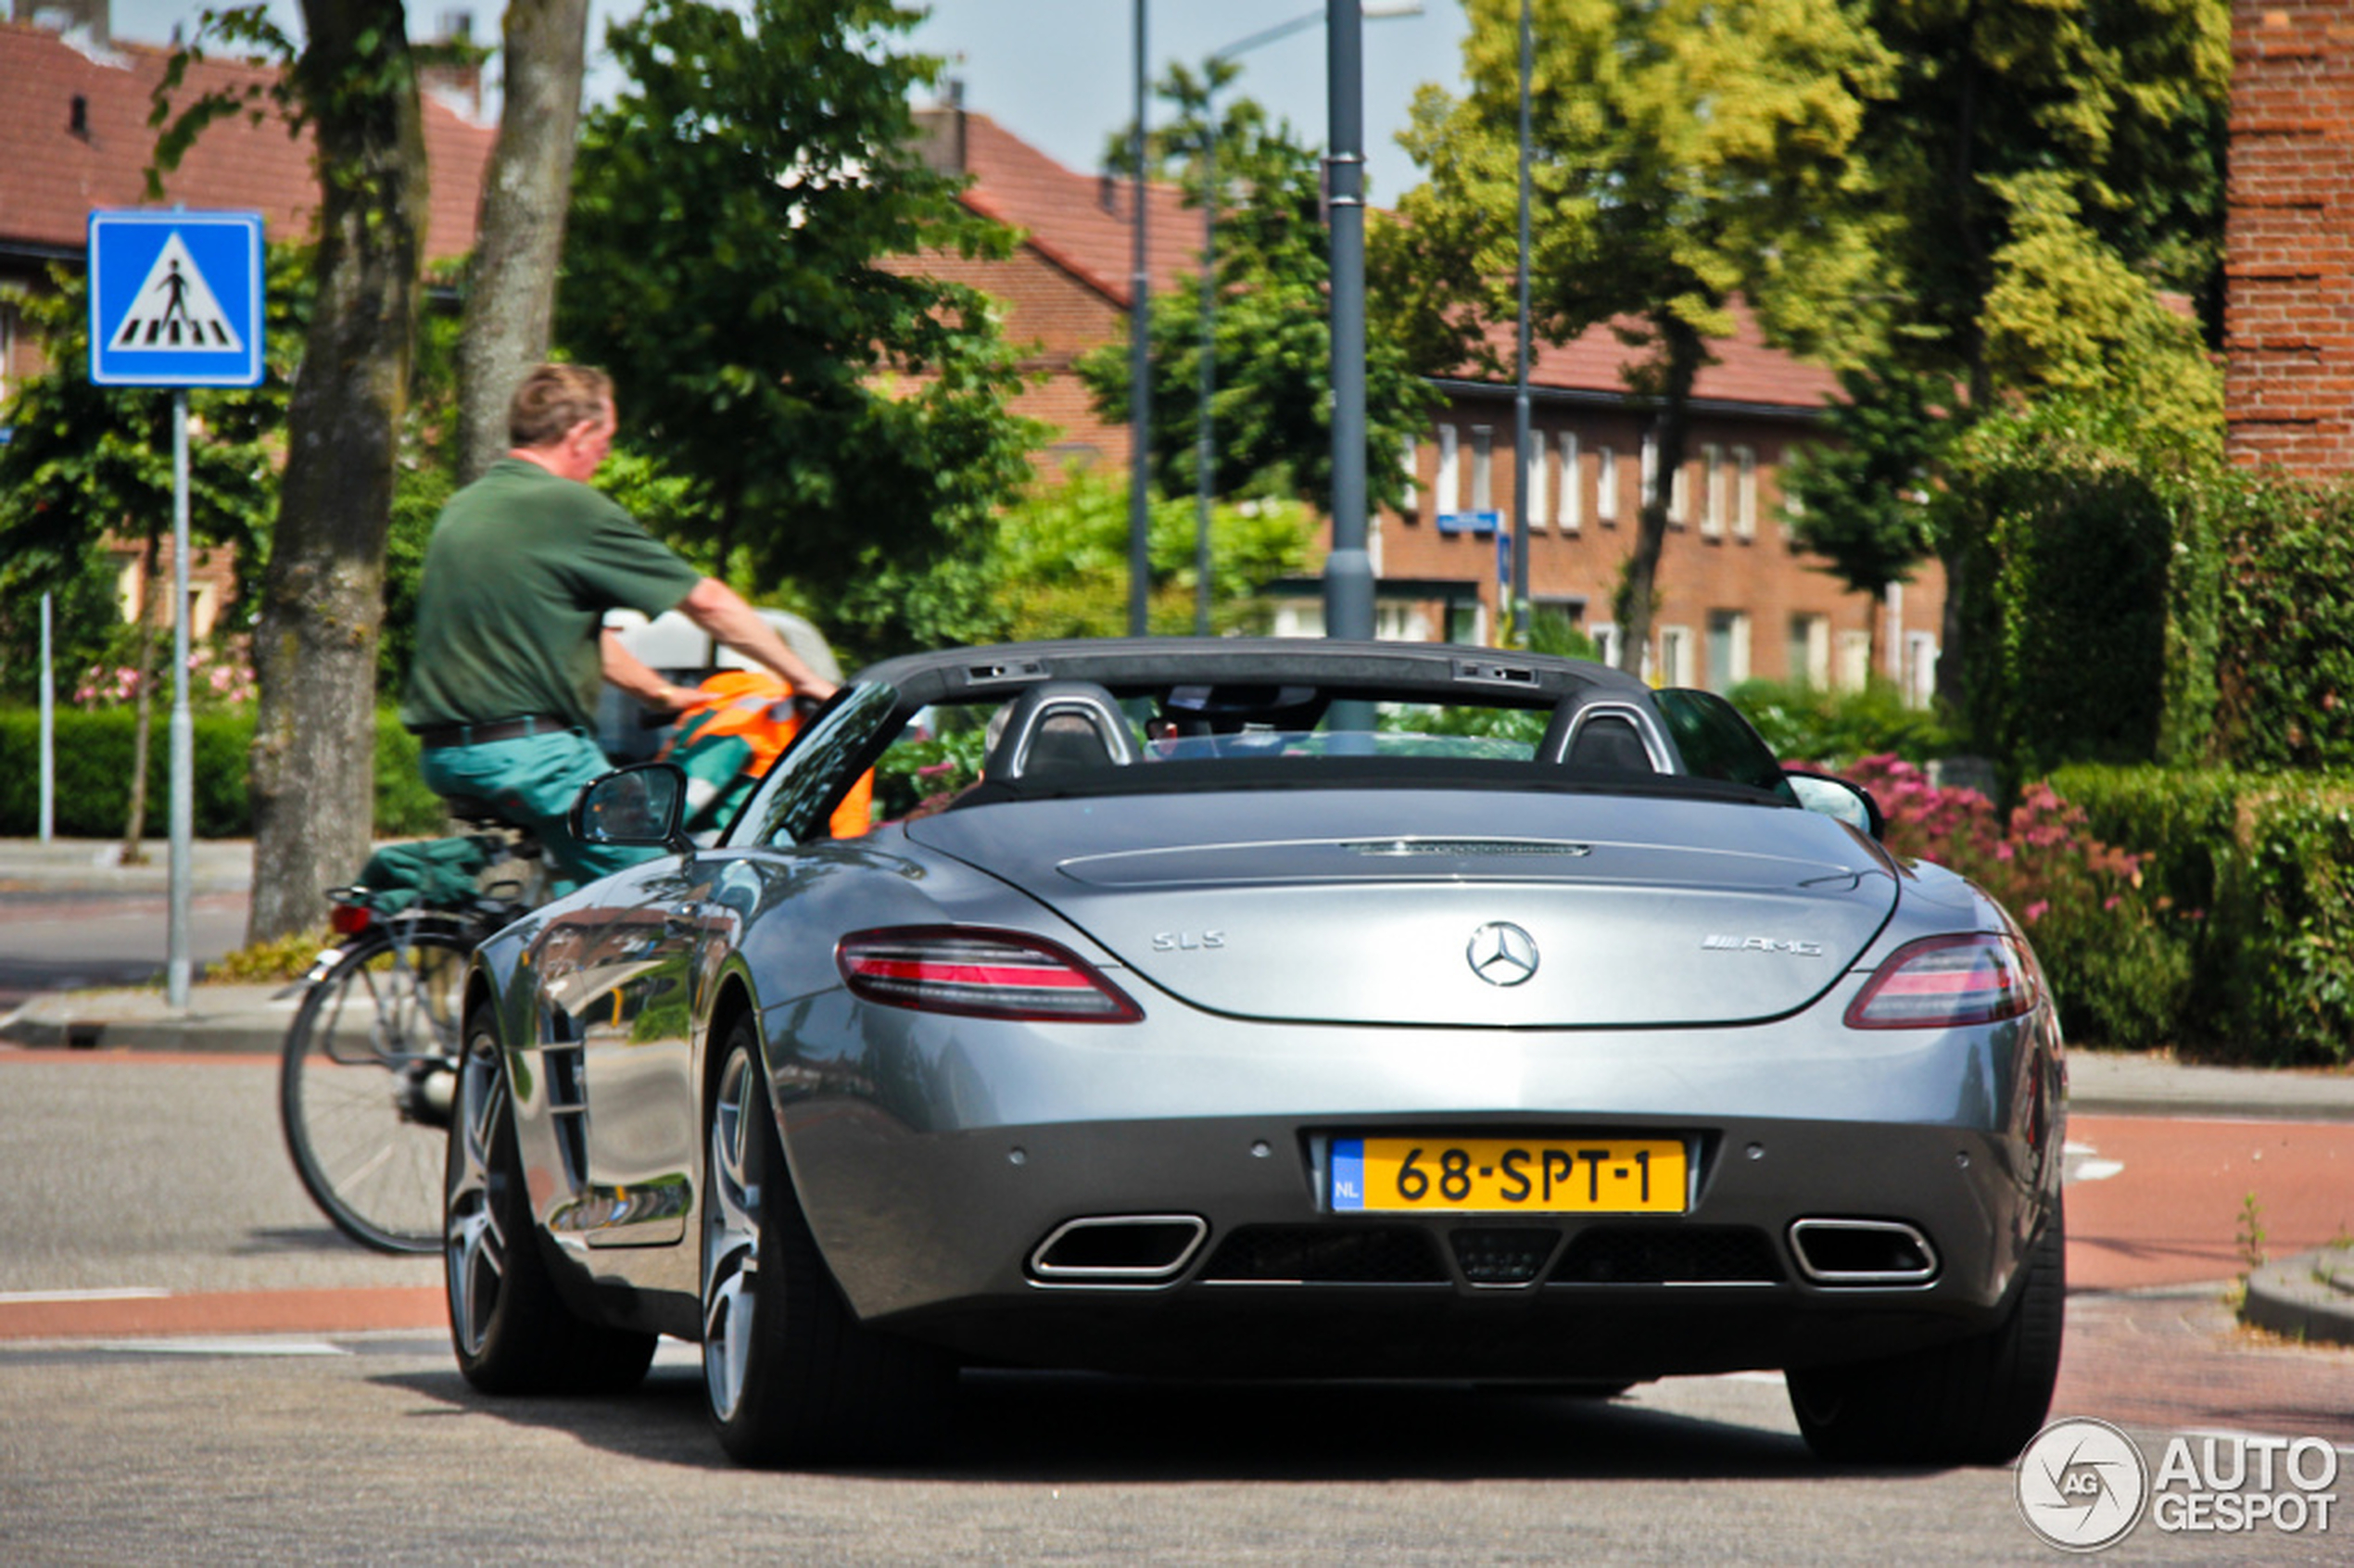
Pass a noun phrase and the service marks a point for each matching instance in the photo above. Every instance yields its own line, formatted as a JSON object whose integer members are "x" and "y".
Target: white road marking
{"x": 36, "y": 1298}
{"x": 2082, "y": 1163}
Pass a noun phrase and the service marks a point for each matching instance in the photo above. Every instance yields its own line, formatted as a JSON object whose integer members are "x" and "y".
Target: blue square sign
{"x": 175, "y": 298}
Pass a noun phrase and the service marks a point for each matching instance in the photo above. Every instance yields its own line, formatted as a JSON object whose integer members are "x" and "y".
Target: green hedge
{"x": 2253, "y": 877}
{"x": 92, "y": 760}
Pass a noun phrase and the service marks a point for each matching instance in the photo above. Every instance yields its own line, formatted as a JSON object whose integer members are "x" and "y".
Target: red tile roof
{"x": 51, "y": 175}
{"x": 1746, "y": 371}
{"x": 1061, "y": 213}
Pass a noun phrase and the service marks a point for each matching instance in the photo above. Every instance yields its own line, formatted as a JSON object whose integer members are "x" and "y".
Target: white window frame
{"x": 1651, "y": 471}
{"x": 1737, "y": 649}
{"x": 1482, "y": 468}
{"x": 1540, "y": 508}
{"x": 1571, "y": 510}
{"x": 1604, "y": 636}
{"x": 1810, "y": 641}
{"x": 1853, "y": 668}
{"x": 1712, "y": 515}
{"x": 1606, "y": 485}
{"x": 1745, "y": 491}
{"x": 1409, "y": 500}
{"x": 1680, "y": 495}
{"x": 1448, "y": 481}
{"x": 1675, "y": 655}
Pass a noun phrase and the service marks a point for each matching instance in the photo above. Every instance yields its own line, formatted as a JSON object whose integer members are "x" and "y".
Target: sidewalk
{"x": 2309, "y": 1297}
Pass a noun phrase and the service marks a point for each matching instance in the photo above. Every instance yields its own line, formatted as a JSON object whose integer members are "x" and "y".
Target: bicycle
{"x": 369, "y": 1069}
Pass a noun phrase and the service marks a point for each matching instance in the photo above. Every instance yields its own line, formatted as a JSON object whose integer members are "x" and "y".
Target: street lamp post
{"x": 1348, "y": 570}
{"x": 1521, "y": 453}
{"x": 1204, "y": 446}
{"x": 1140, "y": 376}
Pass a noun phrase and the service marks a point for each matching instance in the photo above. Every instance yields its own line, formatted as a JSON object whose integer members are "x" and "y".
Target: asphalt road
{"x": 83, "y": 939}
{"x": 143, "y": 1188}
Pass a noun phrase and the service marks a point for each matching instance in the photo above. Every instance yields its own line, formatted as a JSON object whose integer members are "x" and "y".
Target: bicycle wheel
{"x": 364, "y": 1089}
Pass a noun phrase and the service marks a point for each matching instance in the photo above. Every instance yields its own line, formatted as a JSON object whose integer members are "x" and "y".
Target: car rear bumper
{"x": 1212, "y": 1248}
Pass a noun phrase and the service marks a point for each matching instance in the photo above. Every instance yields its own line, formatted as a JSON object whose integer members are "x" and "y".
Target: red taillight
{"x": 350, "y": 919}
{"x": 981, "y": 973}
{"x": 1942, "y": 982}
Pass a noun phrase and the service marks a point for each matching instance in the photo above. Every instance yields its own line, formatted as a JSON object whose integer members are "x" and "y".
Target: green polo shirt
{"x": 519, "y": 573}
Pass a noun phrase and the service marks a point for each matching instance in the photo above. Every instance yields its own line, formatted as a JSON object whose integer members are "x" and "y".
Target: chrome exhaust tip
{"x": 1863, "y": 1252}
{"x": 1119, "y": 1249}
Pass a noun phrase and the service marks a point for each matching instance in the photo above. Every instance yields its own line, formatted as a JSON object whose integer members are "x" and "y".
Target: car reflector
{"x": 979, "y": 973}
{"x": 1942, "y": 982}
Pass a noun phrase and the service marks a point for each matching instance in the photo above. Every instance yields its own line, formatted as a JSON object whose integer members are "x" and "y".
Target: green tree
{"x": 2038, "y": 157}
{"x": 353, "y": 84}
{"x": 741, "y": 257}
{"x": 84, "y": 462}
{"x": 511, "y": 278}
{"x": 1683, "y": 152}
{"x": 1271, "y": 413}
{"x": 1860, "y": 499}
{"x": 1060, "y": 568}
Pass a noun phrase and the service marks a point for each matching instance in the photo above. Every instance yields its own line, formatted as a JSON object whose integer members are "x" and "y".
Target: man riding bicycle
{"x": 512, "y": 645}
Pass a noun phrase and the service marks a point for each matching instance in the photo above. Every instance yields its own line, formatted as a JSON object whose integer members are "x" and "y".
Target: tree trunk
{"x": 322, "y": 595}
{"x": 511, "y": 283}
{"x": 134, "y": 826}
{"x": 1681, "y": 352}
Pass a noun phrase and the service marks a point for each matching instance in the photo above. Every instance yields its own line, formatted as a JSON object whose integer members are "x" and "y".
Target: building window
{"x": 1572, "y": 511}
{"x": 1679, "y": 494}
{"x": 1447, "y": 485}
{"x": 1483, "y": 464}
{"x": 1409, "y": 500}
{"x": 1675, "y": 655}
{"x": 1540, "y": 502}
{"x": 1604, "y": 635}
{"x": 1810, "y": 651}
{"x": 1745, "y": 492}
{"x": 1651, "y": 470}
{"x": 1606, "y": 485}
{"x": 1727, "y": 650}
{"x": 1854, "y": 660}
{"x": 1920, "y": 668}
{"x": 1711, "y": 516}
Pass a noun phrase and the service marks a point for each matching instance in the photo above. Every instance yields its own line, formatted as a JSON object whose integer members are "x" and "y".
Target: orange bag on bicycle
{"x": 742, "y": 721}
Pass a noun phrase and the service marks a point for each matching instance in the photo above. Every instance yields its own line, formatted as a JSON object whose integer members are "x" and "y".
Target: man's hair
{"x": 552, "y": 399}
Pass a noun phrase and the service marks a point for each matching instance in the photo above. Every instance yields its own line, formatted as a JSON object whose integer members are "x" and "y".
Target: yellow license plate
{"x": 1510, "y": 1175}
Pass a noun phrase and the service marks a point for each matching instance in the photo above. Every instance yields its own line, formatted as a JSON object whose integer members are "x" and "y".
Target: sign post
{"x": 175, "y": 301}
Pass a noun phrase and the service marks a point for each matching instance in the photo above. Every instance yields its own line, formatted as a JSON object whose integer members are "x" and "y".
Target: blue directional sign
{"x": 175, "y": 298}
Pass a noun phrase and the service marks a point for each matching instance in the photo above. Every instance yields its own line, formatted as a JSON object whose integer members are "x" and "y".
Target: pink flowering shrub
{"x": 217, "y": 677}
{"x": 2114, "y": 952}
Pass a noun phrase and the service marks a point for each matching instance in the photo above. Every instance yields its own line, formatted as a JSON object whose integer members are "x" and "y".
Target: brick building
{"x": 74, "y": 136}
{"x": 1737, "y": 599}
{"x": 1066, "y": 288}
{"x": 2289, "y": 255}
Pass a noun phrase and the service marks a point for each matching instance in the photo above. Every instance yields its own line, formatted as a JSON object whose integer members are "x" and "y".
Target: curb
{"x": 252, "y": 1021}
{"x": 2309, "y": 1297}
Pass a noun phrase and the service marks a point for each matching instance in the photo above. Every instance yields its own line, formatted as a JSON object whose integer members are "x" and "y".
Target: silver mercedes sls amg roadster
{"x": 1264, "y": 1008}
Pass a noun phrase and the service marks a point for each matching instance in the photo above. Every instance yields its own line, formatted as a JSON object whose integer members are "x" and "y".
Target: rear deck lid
{"x": 1446, "y": 909}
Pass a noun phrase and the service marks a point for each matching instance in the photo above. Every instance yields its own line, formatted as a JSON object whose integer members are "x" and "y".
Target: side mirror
{"x": 1851, "y": 803}
{"x": 642, "y": 805}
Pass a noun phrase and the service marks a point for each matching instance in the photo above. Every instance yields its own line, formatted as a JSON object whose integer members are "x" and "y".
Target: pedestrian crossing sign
{"x": 175, "y": 298}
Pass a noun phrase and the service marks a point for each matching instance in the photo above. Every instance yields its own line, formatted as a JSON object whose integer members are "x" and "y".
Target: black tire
{"x": 363, "y": 1085}
{"x": 789, "y": 1374}
{"x": 512, "y": 1332}
{"x": 1975, "y": 1401}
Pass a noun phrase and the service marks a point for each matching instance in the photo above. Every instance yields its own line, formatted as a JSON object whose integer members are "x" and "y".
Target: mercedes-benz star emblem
{"x": 1501, "y": 953}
